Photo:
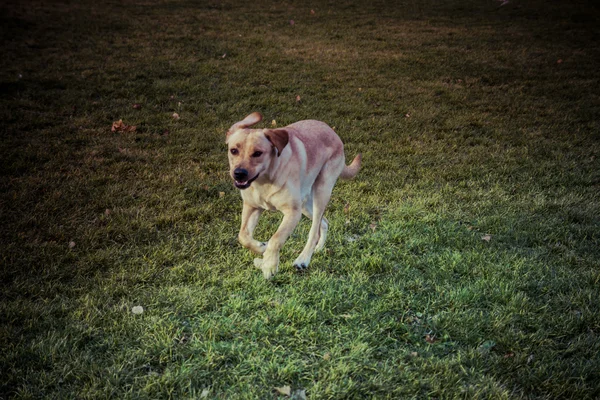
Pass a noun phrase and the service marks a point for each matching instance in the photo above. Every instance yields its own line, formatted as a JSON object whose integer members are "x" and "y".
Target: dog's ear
{"x": 250, "y": 120}
{"x": 278, "y": 138}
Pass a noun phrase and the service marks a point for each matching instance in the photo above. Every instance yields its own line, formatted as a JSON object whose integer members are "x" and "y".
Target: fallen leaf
{"x": 205, "y": 393}
{"x": 71, "y": 245}
{"x": 273, "y": 123}
{"x": 347, "y": 208}
{"x": 407, "y": 115}
{"x": 414, "y": 354}
{"x": 292, "y": 22}
{"x": 175, "y": 116}
{"x": 298, "y": 99}
{"x": 327, "y": 356}
{"x": 312, "y": 12}
{"x": 137, "y": 106}
{"x": 224, "y": 55}
{"x": 510, "y": 354}
{"x": 137, "y": 310}
{"x": 107, "y": 212}
{"x": 221, "y": 194}
{"x": 559, "y": 61}
{"x": 165, "y": 132}
{"x": 120, "y": 126}
{"x": 373, "y": 226}
{"x": 285, "y": 390}
{"x": 530, "y": 358}
{"x": 486, "y": 237}
{"x": 430, "y": 339}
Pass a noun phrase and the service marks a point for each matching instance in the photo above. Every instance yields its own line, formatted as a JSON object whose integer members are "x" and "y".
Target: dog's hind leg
{"x": 318, "y": 231}
{"x": 307, "y": 210}
{"x": 322, "y": 234}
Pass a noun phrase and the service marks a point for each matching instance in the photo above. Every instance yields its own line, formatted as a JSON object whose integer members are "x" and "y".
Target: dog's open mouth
{"x": 245, "y": 184}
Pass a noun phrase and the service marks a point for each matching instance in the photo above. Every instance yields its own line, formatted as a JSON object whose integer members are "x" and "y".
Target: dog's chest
{"x": 257, "y": 199}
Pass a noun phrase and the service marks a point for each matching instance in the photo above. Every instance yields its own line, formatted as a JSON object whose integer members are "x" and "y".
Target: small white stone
{"x": 137, "y": 310}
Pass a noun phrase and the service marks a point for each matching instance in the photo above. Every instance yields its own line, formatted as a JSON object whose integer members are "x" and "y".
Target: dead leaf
{"x": 347, "y": 208}
{"x": 221, "y": 194}
{"x": 71, "y": 245}
{"x": 298, "y": 98}
{"x": 312, "y": 12}
{"x": 292, "y": 22}
{"x": 352, "y": 238}
{"x": 327, "y": 356}
{"x": 175, "y": 116}
{"x": 430, "y": 339}
{"x": 373, "y": 226}
{"x": 120, "y": 126}
{"x": 284, "y": 390}
{"x": 559, "y": 61}
{"x": 273, "y": 123}
{"x": 530, "y": 359}
{"x": 107, "y": 212}
{"x": 510, "y": 354}
{"x": 224, "y": 55}
{"x": 486, "y": 238}
{"x": 137, "y": 106}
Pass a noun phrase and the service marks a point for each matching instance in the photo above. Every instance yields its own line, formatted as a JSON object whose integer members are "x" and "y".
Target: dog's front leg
{"x": 270, "y": 263}
{"x": 249, "y": 221}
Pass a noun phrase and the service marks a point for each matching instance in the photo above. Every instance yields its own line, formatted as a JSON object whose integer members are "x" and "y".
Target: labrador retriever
{"x": 291, "y": 169}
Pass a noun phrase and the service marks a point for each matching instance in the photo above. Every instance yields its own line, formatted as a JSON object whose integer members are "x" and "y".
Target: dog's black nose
{"x": 240, "y": 174}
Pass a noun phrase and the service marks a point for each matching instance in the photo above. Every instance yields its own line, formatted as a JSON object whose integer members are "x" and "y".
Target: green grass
{"x": 473, "y": 120}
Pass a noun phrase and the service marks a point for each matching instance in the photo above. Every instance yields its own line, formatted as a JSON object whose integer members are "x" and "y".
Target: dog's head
{"x": 251, "y": 151}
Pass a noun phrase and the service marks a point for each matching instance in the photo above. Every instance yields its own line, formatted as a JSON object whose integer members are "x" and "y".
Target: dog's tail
{"x": 351, "y": 170}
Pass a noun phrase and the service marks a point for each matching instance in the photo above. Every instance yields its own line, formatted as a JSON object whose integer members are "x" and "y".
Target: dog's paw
{"x": 301, "y": 266}
{"x": 268, "y": 272}
{"x": 301, "y": 263}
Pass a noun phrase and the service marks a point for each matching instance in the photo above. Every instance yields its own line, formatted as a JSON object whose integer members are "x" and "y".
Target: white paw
{"x": 301, "y": 263}
{"x": 268, "y": 271}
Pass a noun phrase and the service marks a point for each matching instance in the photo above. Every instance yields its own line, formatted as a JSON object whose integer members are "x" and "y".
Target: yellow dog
{"x": 291, "y": 169}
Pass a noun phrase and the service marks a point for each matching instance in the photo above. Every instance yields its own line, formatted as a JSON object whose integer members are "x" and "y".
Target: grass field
{"x": 462, "y": 262}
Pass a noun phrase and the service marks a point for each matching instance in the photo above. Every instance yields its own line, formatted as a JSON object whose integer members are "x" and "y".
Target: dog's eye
{"x": 234, "y": 151}
{"x": 257, "y": 154}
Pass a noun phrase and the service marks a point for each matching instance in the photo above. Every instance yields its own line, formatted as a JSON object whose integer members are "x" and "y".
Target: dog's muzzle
{"x": 240, "y": 176}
